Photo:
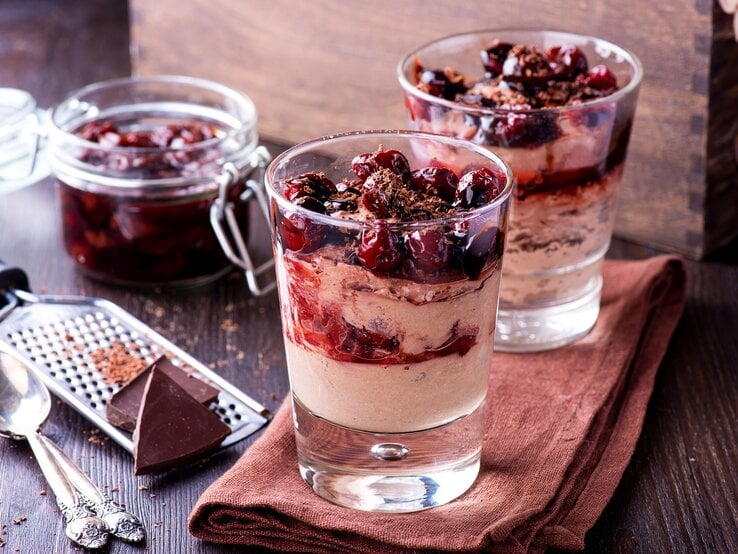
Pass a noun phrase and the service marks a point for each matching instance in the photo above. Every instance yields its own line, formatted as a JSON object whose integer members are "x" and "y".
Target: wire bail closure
{"x": 224, "y": 222}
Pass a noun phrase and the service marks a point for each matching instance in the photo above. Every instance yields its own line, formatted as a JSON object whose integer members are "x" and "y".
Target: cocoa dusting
{"x": 116, "y": 364}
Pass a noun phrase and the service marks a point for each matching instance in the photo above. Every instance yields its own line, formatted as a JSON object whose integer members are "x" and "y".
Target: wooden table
{"x": 679, "y": 493}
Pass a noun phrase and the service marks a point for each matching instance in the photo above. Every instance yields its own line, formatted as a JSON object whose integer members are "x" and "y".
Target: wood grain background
{"x": 679, "y": 493}
{"x": 325, "y": 66}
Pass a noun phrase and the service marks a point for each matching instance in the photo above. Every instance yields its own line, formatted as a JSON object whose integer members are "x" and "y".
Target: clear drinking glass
{"x": 567, "y": 161}
{"x": 388, "y": 370}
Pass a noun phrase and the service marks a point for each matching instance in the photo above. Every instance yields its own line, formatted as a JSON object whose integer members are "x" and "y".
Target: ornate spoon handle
{"x": 83, "y": 526}
{"x": 122, "y": 524}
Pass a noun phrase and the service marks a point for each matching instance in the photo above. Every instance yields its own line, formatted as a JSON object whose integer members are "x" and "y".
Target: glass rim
{"x": 248, "y": 122}
{"x": 326, "y": 219}
{"x": 626, "y": 54}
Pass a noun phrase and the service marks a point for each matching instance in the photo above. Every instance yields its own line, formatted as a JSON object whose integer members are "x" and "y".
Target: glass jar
{"x": 19, "y": 140}
{"x": 140, "y": 162}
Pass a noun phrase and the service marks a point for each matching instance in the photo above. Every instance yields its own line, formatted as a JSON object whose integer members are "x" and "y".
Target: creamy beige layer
{"x": 390, "y": 398}
{"x": 556, "y": 243}
{"x": 394, "y": 397}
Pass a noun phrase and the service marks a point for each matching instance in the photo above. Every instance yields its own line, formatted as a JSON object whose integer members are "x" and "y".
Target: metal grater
{"x": 56, "y": 335}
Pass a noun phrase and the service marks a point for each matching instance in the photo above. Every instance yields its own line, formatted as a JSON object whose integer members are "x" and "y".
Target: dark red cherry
{"x": 429, "y": 249}
{"x": 375, "y": 200}
{"x": 440, "y": 181}
{"x": 316, "y": 185}
{"x": 602, "y": 78}
{"x": 478, "y": 187}
{"x": 437, "y": 83}
{"x": 494, "y": 57}
{"x": 366, "y": 164}
{"x": 567, "y": 61}
{"x": 380, "y": 249}
{"x": 298, "y": 234}
{"x": 310, "y": 203}
{"x": 485, "y": 244}
{"x": 361, "y": 343}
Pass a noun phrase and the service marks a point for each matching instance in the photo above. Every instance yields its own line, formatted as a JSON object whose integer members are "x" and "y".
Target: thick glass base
{"x": 388, "y": 472}
{"x": 545, "y": 328}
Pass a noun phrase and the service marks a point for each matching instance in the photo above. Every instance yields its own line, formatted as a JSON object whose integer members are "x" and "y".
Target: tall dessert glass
{"x": 388, "y": 324}
{"x": 566, "y": 144}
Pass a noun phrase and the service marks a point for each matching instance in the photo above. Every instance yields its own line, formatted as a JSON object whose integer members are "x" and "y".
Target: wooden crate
{"x": 326, "y": 66}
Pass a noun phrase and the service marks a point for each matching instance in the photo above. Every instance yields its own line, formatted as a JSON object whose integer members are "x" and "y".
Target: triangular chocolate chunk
{"x": 173, "y": 428}
{"x": 123, "y": 406}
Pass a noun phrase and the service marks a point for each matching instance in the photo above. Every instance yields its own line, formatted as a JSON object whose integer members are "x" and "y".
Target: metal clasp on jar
{"x": 224, "y": 221}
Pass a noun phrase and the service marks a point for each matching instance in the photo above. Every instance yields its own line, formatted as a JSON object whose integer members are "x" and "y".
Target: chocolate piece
{"x": 173, "y": 428}
{"x": 123, "y": 406}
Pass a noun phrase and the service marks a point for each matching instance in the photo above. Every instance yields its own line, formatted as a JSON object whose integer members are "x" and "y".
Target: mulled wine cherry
{"x": 380, "y": 249}
{"x": 440, "y": 83}
{"x": 494, "y": 57}
{"x": 298, "y": 234}
{"x": 567, "y": 61}
{"x": 365, "y": 164}
{"x": 486, "y": 242}
{"x": 316, "y": 185}
{"x": 440, "y": 181}
{"x": 602, "y": 78}
{"x": 477, "y": 187}
{"x": 429, "y": 249}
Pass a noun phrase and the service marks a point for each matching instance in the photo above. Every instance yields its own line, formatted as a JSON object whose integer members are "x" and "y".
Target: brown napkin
{"x": 562, "y": 427}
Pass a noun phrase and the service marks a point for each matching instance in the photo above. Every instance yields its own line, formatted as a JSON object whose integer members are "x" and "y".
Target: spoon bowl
{"x": 24, "y": 401}
{"x": 25, "y": 404}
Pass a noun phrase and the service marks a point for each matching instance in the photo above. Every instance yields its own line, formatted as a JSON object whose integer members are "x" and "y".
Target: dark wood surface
{"x": 321, "y": 67}
{"x": 679, "y": 493}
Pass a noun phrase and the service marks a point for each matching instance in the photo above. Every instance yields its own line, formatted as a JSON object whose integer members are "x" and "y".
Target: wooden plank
{"x": 323, "y": 67}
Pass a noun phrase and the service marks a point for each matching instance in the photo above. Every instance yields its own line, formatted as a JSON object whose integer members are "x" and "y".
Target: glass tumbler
{"x": 388, "y": 368}
{"x": 568, "y": 163}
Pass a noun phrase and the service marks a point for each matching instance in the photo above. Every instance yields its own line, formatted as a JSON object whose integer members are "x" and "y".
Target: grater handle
{"x": 12, "y": 277}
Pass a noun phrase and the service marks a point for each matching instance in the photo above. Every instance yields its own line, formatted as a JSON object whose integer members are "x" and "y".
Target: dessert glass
{"x": 388, "y": 373}
{"x": 567, "y": 161}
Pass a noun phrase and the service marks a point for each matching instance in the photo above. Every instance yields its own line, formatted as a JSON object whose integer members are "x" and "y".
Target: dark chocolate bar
{"x": 173, "y": 428}
{"x": 123, "y": 406}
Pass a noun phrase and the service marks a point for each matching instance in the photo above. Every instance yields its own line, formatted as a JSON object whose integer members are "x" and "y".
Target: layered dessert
{"x": 155, "y": 227}
{"x": 552, "y": 117}
{"x": 386, "y": 280}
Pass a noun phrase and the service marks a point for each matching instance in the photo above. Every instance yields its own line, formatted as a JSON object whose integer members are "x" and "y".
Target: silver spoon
{"x": 122, "y": 524}
{"x": 24, "y": 406}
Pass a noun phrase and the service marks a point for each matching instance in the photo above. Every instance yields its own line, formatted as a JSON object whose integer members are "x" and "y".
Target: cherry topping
{"x": 310, "y": 203}
{"x": 361, "y": 343}
{"x": 601, "y": 77}
{"x": 444, "y": 84}
{"x": 380, "y": 249}
{"x": 298, "y": 234}
{"x": 440, "y": 181}
{"x": 488, "y": 241}
{"x": 374, "y": 199}
{"x": 567, "y": 61}
{"x": 477, "y": 188}
{"x": 316, "y": 185}
{"x": 366, "y": 164}
{"x": 493, "y": 57}
{"x": 430, "y": 249}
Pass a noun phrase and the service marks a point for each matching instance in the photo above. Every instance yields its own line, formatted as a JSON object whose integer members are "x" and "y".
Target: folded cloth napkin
{"x": 562, "y": 426}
